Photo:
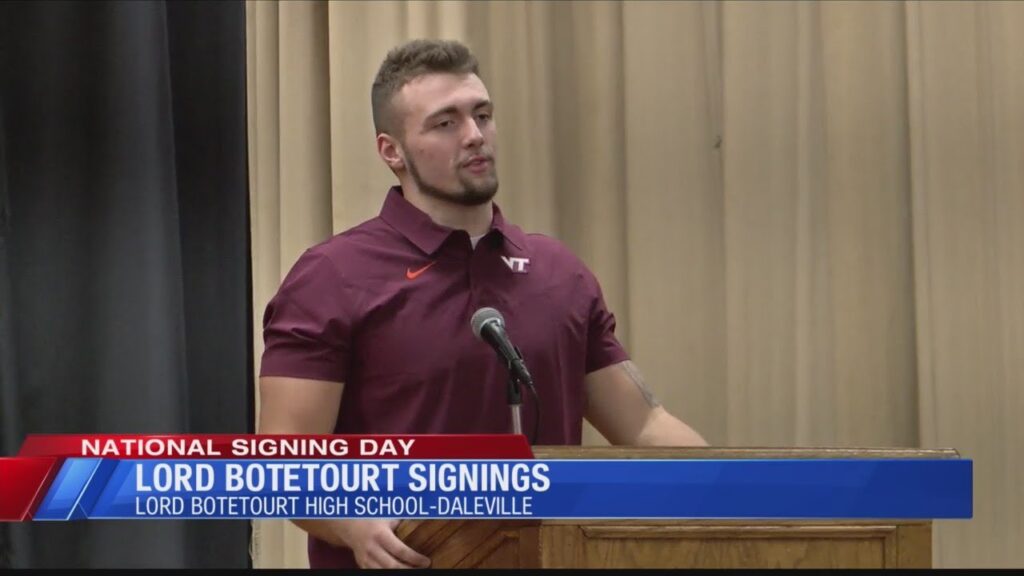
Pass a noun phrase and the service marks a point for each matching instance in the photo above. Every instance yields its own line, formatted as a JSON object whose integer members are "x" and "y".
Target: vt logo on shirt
{"x": 516, "y": 264}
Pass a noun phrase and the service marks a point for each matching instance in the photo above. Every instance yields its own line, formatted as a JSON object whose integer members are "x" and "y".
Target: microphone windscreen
{"x": 483, "y": 316}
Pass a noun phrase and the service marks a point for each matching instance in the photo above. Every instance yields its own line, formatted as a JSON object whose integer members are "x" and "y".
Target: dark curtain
{"x": 124, "y": 251}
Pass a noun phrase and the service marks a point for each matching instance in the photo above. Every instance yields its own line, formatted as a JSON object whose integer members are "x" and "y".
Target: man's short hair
{"x": 411, "y": 60}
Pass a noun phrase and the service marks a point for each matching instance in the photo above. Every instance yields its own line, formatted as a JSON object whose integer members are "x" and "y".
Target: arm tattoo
{"x": 634, "y": 374}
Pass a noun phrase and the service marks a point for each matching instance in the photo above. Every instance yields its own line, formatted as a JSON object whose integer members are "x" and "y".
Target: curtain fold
{"x": 966, "y": 121}
{"x": 806, "y": 216}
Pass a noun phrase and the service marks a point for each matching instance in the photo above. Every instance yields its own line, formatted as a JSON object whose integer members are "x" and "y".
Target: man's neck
{"x": 476, "y": 220}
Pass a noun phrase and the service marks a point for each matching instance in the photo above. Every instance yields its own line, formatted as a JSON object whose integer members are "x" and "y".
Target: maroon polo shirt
{"x": 385, "y": 308}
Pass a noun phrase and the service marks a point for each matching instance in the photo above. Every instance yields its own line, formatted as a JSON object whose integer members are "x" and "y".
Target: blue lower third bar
{"x": 542, "y": 489}
{"x": 777, "y": 489}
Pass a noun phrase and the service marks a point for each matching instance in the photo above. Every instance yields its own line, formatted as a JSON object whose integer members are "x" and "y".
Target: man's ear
{"x": 390, "y": 151}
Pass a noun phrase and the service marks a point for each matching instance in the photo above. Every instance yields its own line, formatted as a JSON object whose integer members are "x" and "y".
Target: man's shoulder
{"x": 555, "y": 251}
{"x": 367, "y": 235}
{"x": 348, "y": 255}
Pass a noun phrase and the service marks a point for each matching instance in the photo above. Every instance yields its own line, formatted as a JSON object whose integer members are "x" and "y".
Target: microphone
{"x": 489, "y": 326}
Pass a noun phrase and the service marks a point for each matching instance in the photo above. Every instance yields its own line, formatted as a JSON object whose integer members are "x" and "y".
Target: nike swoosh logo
{"x": 412, "y": 274}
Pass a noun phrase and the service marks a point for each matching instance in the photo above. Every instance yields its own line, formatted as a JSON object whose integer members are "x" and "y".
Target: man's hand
{"x": 297, "y": 406}
{"x": 376, "y": 546}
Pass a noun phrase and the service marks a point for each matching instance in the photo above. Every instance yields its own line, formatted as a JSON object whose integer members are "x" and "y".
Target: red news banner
{"x": 216, "y": 446}
{"x": 26, "y": 478}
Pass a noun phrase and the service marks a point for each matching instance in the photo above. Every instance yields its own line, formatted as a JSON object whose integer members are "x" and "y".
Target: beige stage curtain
{"x": 808, "y": 218}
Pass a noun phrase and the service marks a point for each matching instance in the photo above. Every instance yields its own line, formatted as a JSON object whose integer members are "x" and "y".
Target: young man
{"x": 370, "y": 331}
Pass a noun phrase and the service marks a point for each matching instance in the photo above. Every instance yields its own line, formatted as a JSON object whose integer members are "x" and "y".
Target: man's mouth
{"x": 477, "y": 163}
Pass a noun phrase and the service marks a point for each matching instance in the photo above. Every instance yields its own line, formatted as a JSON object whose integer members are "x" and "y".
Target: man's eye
{"x": 484, "y": 116}
{"x": 445, "y": 124}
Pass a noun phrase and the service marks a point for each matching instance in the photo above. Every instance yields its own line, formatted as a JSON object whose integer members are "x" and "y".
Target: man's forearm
{"x": 664, "y": 429}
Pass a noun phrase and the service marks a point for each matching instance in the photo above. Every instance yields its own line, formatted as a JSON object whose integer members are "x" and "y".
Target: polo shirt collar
{"x": 428, "y": 235}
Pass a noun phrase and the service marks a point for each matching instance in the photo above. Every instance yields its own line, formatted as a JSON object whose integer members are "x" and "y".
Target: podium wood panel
{"x": 680, "y": 543}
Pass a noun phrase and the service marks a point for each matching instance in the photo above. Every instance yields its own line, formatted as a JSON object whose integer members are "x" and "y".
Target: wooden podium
{"x": 680, "y": 543}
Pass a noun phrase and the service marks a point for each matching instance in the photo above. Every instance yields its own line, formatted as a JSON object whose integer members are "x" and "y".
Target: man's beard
{"x": 471, "y": 194}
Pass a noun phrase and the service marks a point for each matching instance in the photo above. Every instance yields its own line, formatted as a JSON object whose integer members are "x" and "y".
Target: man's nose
{"x": 472, "y": 135}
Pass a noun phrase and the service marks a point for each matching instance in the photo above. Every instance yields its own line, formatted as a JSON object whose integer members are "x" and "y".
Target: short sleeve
{"x": 307, "y": 324}
{"x": 603, "y": 348}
